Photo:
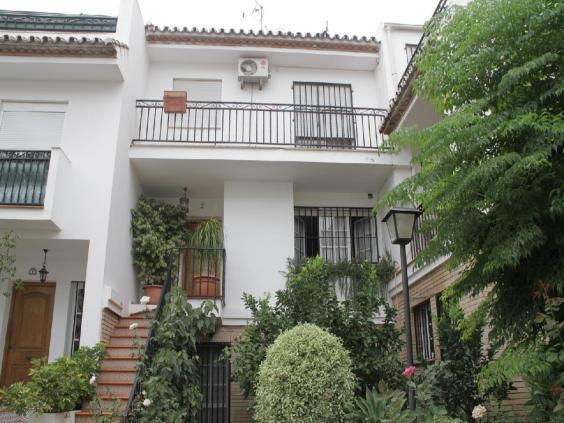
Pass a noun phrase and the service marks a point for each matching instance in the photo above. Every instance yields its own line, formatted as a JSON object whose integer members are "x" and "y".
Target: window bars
{"x": 336, "y": 234}
{"x": 424, "y": 342}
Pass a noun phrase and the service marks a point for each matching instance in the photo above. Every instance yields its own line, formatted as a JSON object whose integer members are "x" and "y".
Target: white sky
{"x": 352, "y": 17}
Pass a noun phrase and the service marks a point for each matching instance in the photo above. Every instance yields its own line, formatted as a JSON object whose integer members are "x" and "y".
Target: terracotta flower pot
{"x": 206, "y": 286}
{"x": 153, "y": 292}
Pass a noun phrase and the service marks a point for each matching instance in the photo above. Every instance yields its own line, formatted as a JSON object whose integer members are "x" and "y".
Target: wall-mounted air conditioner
{"x": 253, "y": 70}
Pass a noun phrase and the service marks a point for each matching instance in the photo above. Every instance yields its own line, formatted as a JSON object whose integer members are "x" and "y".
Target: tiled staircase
{"x": 117, "y": 372}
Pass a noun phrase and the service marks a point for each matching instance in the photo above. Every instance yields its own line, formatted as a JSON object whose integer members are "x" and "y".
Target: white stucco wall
{"x": 259, "y": 237}
{"x": 66, "y": 262}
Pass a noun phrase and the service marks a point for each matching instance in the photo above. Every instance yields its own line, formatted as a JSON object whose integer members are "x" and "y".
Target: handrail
{"x": 264, "y": 124}
{"x": 149, "y": 346}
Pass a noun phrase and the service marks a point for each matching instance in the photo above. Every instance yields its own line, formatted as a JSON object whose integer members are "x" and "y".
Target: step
{"x": 127, "y": 340}
{"x": 108, "y": 403}
{"x": 117, "y": 375}
{"x": 119, "y": 363}
{"x": 88, "y": 417}
{"x": 114, "y": 388}
{"x": 122, "y": 352}
{"x": 126, "y": 322}
{"x": 124, "y": 331}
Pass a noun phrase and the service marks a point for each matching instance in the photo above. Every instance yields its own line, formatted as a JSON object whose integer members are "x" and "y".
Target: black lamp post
{"x": 401, "y": 223}
{"x": 43, "y": 271}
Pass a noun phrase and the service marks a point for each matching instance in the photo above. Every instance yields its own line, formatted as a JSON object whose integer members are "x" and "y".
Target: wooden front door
{"x": 29, "y": 330}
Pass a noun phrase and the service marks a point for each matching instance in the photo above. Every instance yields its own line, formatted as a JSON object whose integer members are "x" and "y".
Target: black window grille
{"x": 23, "y": 177}
{"x": 424, "y": 342}
{"x": 324, "y": 115}
{"x": 410, "y": 50}
{"x": 78, "y": 288}
{"x": 336, "y": 234}
{"x": 214, "y": 382}
{"x": 421, "y": 239}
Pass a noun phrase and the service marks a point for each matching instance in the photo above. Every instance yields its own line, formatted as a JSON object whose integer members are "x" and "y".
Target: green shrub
{"x": 156, "y": 228}
{"x": 170, "y": 378}
{"x": 310, "y": 297}
{"x": 306, "y": 377}
{"x": 55, "y": 387}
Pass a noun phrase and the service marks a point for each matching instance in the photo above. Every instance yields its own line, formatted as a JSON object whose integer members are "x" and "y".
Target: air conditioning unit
{"x": 254, "y": 71}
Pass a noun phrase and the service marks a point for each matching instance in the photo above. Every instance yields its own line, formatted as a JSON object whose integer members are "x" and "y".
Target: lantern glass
{"x": 400, "y": 223}
{"x": 43, "y": 274}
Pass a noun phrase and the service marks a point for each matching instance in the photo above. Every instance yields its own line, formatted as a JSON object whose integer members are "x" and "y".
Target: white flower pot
{"x": 67, "y": 417}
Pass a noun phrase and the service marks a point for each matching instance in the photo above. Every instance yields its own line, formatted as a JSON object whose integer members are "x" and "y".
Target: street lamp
{"x": 401, "y": 223}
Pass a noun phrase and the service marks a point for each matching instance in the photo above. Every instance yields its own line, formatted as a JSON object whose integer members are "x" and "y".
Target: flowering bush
{"x": 306, "y": 377}
{"x": 408, "y": 372}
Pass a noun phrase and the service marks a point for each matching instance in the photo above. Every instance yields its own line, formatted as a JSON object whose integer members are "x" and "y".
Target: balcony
{"x": 23, "y": 177}
{"x": 202, "y": 273}
{"x": 421, "y": 238}
{"x": 29, "y": 182}
{"x": 261, "y": 125}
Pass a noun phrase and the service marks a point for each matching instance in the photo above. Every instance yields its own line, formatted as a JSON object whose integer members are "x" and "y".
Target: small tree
{"x": 306, "y": 377}
{"x": 492, "y": 169}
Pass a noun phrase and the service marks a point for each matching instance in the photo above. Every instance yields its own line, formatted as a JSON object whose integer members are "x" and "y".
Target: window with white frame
{"x": 202, "y": 93}
{"x": 336, "y": 234}
{"x": 424, "y": 342}
{"x": 410, "y": 50}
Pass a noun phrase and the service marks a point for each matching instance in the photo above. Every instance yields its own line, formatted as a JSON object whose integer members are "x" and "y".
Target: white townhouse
{"x": 280, "y": 140}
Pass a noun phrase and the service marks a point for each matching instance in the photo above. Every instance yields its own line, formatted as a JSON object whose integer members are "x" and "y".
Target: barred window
{"x": 424, "y": 343}
{"x": 214, "y": 383}
{"x": 335, "y": 233}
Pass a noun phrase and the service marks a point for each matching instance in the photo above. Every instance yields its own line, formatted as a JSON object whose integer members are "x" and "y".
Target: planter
{"x": 174, "y": 101}
{"x": 153, "y": 292}
{"x": 67, "y": 417}
{"x": 206, "y": 286}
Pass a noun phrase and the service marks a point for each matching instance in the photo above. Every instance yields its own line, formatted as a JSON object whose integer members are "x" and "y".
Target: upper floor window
{"x": 203, "y": 117}
{"x": 31, "y": 126}
{"x": 424, "y": 342}
{"x": 199, "y": 89}
{"x": 410, "y": 51}
{"x": 324, "y": 115}
{"x": 335, "y": 233}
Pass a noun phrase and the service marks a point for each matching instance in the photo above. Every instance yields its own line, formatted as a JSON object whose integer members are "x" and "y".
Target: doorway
{"x": 29, "y": 330}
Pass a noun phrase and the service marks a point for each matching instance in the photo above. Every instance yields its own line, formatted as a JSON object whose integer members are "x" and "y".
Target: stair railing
{"x": 150, "y": 345}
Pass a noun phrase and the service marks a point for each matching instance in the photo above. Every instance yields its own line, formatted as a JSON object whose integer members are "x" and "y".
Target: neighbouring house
{"x": 279, "y": 139}
{"x": 427, "y": 283}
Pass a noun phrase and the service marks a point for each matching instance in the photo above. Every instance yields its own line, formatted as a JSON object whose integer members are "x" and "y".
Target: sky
{"x": 351, "y": 17}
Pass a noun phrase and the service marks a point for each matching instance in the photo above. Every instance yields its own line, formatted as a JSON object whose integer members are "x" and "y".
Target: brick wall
{"x": 109, "y": 321}
{"x": 429, "y": 287}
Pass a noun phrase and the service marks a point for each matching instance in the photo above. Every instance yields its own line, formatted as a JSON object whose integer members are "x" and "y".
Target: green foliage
{"x": 311, "y": 297}
{"x": 208, "y": 240}
{"x": 55, "y": 387}
{"x": 541, "y": 364}
{"x": 305, "y": 377}
{"x": 170, "y": 378}
{"x": 8, "y": 260}
{"x": 492, "y": 167}
{"x": 156, "y": 228}
{"x": 382, "y": 406}
{"x": 454, "y": 378}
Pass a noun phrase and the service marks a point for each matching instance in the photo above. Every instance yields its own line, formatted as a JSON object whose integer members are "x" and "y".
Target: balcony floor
{"x": 164, "y": 169}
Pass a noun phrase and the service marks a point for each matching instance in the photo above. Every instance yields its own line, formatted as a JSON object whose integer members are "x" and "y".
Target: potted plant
{"x": 157, "y": 228}
{"x": 207, "y": 244}
{"x": 55, "y": 389}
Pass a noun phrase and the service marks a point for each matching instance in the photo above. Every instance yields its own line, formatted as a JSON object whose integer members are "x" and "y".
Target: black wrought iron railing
{"x": 201, "y": 272}
{"x": 261, "y": 124}
{"x": 421, "y": 238}
{"x": 23, "y": 177}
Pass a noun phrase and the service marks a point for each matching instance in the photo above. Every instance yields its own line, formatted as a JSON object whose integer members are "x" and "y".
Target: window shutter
{"x": 30, "y": 130}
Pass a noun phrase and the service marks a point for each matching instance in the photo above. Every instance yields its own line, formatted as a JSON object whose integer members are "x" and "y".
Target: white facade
{"x": 97, "y": 172}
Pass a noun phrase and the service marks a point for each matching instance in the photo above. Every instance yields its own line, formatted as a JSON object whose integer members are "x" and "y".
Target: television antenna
{"x": 258, "y": 9}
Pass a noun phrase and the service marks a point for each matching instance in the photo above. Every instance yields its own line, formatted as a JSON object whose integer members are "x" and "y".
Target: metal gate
{"x": 214, "y": 382}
